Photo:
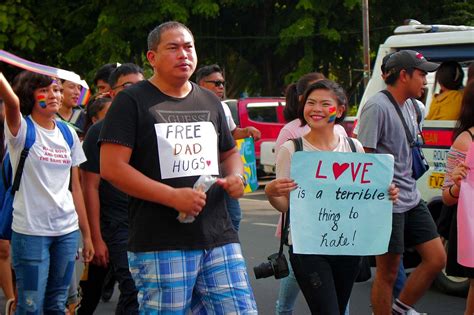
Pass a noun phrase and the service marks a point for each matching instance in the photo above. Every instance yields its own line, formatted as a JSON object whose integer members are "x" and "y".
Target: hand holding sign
{"x": 280, "y": 187}
{"x": 341, "y": 205}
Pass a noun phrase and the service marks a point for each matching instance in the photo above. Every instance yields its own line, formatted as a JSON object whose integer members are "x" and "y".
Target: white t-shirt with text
{"x": 43, "y": 205}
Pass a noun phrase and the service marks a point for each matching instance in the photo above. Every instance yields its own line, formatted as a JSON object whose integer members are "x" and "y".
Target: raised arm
{"x": 12, "y": 105}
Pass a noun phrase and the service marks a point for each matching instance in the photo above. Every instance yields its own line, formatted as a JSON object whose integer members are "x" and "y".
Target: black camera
{"x": 276, "y": 266}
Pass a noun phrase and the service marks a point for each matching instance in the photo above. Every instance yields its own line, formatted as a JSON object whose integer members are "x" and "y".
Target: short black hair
{"x": 392, "y": 78}
{"x": 24, "y": 86}
{"x": 104, "y": 72}
{"x": 123, "y": 69}
{"x": 331, "y": 86}
{"x": 154, "y": 37}
{"x": 93, "y": 108}
{"x": 207, "y": 70}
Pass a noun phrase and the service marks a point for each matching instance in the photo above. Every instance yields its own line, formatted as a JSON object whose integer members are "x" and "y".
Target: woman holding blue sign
{"x": 46, "y": 214}
{"x": 325, "y": 280}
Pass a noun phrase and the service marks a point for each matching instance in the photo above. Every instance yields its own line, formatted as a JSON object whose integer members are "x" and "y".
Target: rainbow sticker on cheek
{"x": 41, "y": 98}
{"x": 332, "y": 114}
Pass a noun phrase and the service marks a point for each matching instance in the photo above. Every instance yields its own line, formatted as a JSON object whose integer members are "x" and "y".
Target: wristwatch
{"x": 242, "y": 178}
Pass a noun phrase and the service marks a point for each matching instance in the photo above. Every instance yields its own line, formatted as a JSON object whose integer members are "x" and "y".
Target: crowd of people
{"x": 113, "y": 183}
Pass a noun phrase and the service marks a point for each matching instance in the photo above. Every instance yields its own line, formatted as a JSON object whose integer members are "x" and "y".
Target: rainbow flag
{"x": 42, "y": 69}
{"x": 84, "y": 97}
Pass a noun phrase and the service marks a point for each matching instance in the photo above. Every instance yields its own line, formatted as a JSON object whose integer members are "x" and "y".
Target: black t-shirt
{"x": 113, "y": 202}
{"x": 131, "y": 122}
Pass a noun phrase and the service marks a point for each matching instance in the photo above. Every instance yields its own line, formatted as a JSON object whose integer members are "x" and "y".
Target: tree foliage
{"x": 262, "y": 44}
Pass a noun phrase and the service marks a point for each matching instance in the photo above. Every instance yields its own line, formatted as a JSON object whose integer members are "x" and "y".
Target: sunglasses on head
{"x": 125, "y": 85}
{"x": 217, "y": 83}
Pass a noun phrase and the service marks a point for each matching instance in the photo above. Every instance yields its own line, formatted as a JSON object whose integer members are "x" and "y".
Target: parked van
{"x": 437, "y": 43}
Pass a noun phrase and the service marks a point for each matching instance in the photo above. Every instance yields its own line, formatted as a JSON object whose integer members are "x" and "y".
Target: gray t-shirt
{"x": 381, "y": 129}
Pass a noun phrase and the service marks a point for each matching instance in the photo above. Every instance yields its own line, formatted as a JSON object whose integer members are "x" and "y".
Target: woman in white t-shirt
{"x": 46, "y": 215}
{"x": 323, "y": 105}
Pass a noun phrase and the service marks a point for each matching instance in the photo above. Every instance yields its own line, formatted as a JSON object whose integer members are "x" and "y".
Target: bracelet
{"x": 242, "y": 178}
{"x": 451, "y": 193}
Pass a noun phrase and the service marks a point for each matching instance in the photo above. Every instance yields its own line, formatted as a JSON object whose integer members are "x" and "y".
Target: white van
{"x": 437, "y": 43}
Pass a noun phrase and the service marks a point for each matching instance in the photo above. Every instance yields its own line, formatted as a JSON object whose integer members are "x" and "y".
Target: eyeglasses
{"x": 217, "y": 83}
{"x": 125, "y": 85}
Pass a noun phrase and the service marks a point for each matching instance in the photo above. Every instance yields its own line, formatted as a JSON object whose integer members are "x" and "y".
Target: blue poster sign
{"x": 341, "y": 205}
{"x": 247, "y": 154}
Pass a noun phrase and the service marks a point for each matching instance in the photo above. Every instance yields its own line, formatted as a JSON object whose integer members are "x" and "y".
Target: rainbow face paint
{"x": 41, "y": 98}
{"x": 332, "y": 114}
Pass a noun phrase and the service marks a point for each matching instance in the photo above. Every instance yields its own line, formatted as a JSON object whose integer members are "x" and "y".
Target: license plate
{"x": 436, "y": 180}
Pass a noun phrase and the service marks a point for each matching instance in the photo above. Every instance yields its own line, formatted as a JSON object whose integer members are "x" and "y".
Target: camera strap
{"x": 410, "y": 138}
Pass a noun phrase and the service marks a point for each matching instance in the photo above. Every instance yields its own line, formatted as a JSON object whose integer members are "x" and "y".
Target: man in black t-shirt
{"x": 159, "y": 136}
{"x": 107, "y": 215}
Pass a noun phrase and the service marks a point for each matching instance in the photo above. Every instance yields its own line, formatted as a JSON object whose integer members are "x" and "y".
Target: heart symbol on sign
{"x": 208, "y": 162}
{"x": 338, "y": 169}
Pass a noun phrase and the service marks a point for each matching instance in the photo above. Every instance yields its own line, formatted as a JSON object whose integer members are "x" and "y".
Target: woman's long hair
{"x": 466, "y": 117}
{"x": 294, "y": 91}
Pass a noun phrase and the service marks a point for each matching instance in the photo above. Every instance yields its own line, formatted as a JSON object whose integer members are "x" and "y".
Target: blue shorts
{"x": 211, "y": 281}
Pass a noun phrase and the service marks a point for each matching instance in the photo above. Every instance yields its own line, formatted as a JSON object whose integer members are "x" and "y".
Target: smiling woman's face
{"x": 47, "y": 98}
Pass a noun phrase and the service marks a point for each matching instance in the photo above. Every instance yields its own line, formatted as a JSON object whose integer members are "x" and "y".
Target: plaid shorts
{"x": 211, "y": 281}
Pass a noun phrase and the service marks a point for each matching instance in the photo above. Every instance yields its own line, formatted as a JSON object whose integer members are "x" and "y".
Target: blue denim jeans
{"x": 289, "y": 290}
{"x": 233, "y": 207}
{"x": 400, "y": 281}
{"x": 43, "y": 267}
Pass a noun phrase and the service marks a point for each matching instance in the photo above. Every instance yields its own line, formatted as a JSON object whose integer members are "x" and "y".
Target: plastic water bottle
{"x": 203, "y": 184}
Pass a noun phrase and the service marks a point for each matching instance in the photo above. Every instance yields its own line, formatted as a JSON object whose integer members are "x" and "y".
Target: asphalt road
{"x": 258, "y": 241}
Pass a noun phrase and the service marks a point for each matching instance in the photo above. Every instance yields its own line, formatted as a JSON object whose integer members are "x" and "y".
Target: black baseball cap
{"x": 384, "y": 63}
{"x": 408, "y": 59}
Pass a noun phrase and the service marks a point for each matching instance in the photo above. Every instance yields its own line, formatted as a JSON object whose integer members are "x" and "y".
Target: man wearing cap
{"x": 381, "y": 131}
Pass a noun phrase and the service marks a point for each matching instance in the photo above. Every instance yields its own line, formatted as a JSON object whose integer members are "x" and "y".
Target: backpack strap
{"x": 351, "y": 144}
{"x": 67, "y": 134}
{"x": 472, "y": 135}
{"x": 30, "y": 139}
{"x": 30, "y": 133}
{"x": 298, "y": 142}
